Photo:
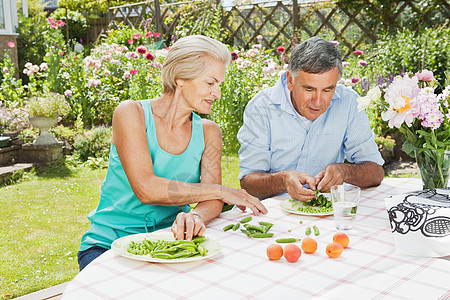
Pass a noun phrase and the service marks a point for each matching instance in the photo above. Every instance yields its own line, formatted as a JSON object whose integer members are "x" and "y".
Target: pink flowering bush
{"x": 250, "y": 71}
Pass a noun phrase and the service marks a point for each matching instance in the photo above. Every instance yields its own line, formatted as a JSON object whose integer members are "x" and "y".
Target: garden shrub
{"x": 76, "y": 22}
{"x": 250, "y": 71}
{"x": 93, "y": 143}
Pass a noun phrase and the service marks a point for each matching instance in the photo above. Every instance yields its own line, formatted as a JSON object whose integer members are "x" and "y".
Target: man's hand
{"x": 293, "y": 182}
{"x": 333, "y": 174}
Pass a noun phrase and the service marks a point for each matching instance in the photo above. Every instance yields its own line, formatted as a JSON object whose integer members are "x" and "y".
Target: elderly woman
{"x": 165, "y": 157}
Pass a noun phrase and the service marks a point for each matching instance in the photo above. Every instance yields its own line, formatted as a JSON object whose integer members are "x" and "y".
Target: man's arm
{"x": 363, "y": 174}
{"x": 265, "y": 185}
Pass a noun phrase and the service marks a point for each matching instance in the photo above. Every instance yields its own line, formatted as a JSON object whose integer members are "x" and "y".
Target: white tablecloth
{"x": 367, "y": 269}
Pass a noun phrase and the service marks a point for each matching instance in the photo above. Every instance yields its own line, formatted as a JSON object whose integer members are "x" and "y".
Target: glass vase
{"x": 434, "y": 166}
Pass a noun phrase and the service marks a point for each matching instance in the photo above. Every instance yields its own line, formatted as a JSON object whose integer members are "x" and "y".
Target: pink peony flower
{"x": 11, "y": 44}
{"x": 280, "y": 49}
{"x": 257, "y": 46}
{"x": 234, "y": 55}
{"x": 141, "y": 49}
{"x": 355, "y": 79}
{"x": 137, "y": 36}
{"x": 402, "y": 105}
{"x": 362, "y": 63}
{"x": 157, "y": 34}
{"x": 335, "y": 43}
{"x": 345, "y": 63}
{"x": 68, "y": 93}
{"x": 60, "y": 23}
{"x": 130, "y": 41}
{"x": 150, "y": 56}
{"x": 5, "y": 70}
{"x": 149, "y": 34}
{"x": 358, "y": 52}
{"x": 259, "y": 38}
{"x": 134, "y": 71}
{"x": 425, "y": 75}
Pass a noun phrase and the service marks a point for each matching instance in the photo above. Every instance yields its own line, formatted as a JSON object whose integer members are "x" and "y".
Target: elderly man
{"x": 297, "y": 134}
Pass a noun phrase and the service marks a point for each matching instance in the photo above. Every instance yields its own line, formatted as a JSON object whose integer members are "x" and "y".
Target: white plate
{"x": 120, "y": 247}
{"x": 291, "y": 206}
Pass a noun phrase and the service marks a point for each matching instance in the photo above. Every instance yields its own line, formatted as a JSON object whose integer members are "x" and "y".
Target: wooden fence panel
{"x": 286, "y": 23}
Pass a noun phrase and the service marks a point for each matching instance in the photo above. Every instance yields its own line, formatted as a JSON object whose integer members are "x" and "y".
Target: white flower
{"x": 43, "y": 66}
{"x": 78, "y": 48}
{"x": 372, "y": 96}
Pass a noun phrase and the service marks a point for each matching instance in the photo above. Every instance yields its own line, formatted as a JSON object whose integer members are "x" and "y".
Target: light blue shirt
{"x": 273, "y": 137}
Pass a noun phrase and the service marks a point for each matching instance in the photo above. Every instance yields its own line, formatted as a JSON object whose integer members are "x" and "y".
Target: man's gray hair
{"x": 316, "y": 56}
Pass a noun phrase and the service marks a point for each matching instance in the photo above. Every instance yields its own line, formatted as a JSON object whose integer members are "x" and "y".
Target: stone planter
{"x": 44, "y": 124}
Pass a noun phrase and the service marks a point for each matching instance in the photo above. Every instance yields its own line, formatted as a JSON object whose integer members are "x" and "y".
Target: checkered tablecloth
{"x": 367, "y": 269}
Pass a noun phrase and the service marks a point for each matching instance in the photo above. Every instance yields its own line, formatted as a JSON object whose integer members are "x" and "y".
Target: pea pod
{"x": 162, "y": 255}
{"x": 247, "y": 233}
{"x": 287, "y": 240}
{"x": 245, "y": 220}
{"x": 236, "y": 226}
{"x": 228, "y": 227}
{"x": 256, "y": 228}
{"x": 265, "y": 223}
{"x": 199, "y": 239}
{"x": 267, "y": 227}
{"x": 262, "y": 235}
{"x": 308, "y": 231}
{"x": 316, "y": 230}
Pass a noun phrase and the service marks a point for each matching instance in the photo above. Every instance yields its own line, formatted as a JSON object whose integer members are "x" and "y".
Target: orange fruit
{"x": 334, "y": 250}
{"x": 292, "y": 253}
{"x": 309, "y": 245}
{"x": 341, "y": 238}
{"x": 274, "y": 252}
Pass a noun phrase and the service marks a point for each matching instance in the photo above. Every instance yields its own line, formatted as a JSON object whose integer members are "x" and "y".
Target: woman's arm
{"x": 188, "y": 225}
{"x": 130, "y": 139}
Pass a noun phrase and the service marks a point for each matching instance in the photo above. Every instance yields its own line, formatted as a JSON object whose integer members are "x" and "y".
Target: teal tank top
{"x": 120, "y": 212}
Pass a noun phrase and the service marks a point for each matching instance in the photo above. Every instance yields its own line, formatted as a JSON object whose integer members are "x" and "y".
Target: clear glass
{"x": 434, "y": 166}
{"x": 345, "y": 200}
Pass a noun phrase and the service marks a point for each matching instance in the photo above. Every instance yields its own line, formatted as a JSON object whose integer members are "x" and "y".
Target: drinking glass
{"x": 345, "y": 199}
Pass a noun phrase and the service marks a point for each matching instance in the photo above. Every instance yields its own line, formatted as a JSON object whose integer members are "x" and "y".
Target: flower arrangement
{"x": 51, "y": 106}
{"x": 411, "y": 105}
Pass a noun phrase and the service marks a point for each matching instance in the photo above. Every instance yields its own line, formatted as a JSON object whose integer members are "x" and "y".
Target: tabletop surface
{"x": 368, "y": 268}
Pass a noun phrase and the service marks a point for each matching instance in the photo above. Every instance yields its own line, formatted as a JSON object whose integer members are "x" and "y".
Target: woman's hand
{"x": 187, "y": 225}
{"x": 242, "y": 199}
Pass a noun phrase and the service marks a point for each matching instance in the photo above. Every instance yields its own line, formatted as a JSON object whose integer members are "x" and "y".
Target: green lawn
{"x": 43, "y": 218}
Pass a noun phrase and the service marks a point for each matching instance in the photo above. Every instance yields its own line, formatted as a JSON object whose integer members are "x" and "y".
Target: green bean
{"x": 316, "y": 230}
{"x": 228, "y": 227}
{"x": 236, "y": 226}
{"x": 308, "y": 231}
{"x": 287, "y": 240}
{"x": 262, "y": 235}
{"x": 245, "y": 220}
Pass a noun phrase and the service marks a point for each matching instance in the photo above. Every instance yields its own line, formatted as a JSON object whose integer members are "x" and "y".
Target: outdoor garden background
{"x": 43, "y": 211}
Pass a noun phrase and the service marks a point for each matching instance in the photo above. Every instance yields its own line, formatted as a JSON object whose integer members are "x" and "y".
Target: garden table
{"x": 368, "y": 269}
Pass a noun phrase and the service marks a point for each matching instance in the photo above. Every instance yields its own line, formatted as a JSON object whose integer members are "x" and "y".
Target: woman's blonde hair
{"x": 187, "y": 59}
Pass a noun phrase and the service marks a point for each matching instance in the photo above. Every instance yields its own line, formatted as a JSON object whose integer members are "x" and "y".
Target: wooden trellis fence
{"x": 274, "y": 23}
